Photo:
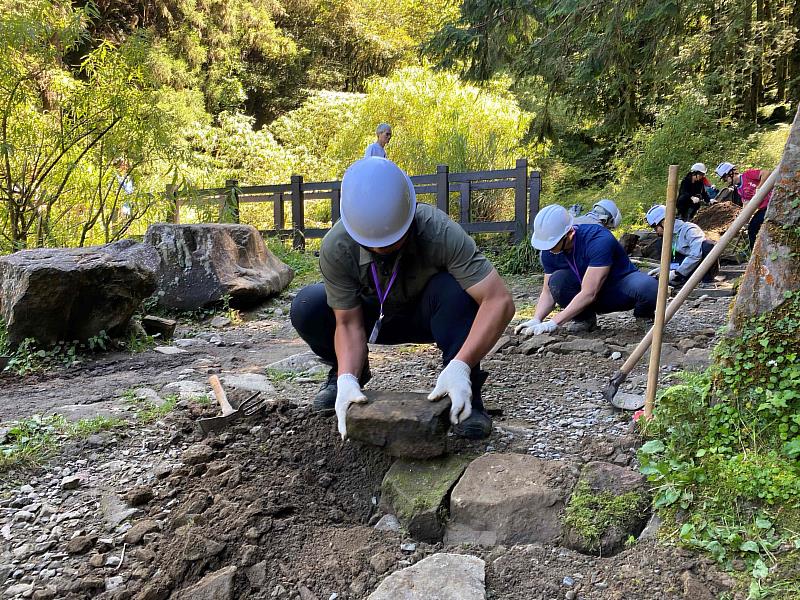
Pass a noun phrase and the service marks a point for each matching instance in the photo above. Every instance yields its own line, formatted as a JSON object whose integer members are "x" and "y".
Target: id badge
{"x": 375, "y": 330}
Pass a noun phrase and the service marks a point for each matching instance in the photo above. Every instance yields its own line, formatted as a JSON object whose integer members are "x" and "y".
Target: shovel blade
{"x": 621, "y": 400}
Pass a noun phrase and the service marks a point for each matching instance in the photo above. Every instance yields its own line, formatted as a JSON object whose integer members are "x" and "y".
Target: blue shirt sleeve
{"x": 600, "y": 250}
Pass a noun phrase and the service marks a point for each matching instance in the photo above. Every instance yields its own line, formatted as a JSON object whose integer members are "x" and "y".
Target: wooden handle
{"x": 663, "y": 292}
{"x": 219, "y": 394}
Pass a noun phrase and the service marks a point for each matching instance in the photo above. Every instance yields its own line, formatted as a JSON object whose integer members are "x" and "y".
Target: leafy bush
{"x": 726, "y": 443}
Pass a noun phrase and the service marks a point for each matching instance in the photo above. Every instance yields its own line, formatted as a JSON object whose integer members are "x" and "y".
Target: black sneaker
{"x": 478, "y": 425}
{"x": 325, "y": 400}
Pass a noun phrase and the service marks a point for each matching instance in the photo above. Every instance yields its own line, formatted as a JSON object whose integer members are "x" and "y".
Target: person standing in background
{"x": 384, "y": 133}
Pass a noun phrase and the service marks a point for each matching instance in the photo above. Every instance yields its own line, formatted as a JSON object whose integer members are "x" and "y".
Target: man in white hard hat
{"x": 395, "y": 272}
{"x": 378, "y": 147}
{"x": 586, "y": 272}
{"x": 604, "y": 212}
{"x": 689, "y": 247}
{"x": 744, "y": 186}
{"x": 692, "y": 192}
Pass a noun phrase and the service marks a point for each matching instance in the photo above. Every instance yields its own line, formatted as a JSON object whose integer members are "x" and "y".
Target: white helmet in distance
{"x": 724, "y": 168}
{"x": 610, "y": 208}
{"x": 656, "y": 215}
{"x": 698, "y": 168}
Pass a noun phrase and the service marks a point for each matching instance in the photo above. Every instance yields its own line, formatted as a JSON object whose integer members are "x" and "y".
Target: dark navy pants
{"x": 713, "y": 271}
{"x": 754, "y": 226}
{"x": 443, "y": 314}
{"x": 635, "y": 291}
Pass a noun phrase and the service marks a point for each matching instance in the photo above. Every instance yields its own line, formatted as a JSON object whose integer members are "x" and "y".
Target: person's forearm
{"x": 579, "y": 303}
{"x": 688, "y": 265}
{"x": 545, "y": 304}
{"x": 350, "y": 343}
{"x": 493, "y": 317}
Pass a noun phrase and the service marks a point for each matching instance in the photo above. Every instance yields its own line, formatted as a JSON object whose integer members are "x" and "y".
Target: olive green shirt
{"x": 435, "y": 244}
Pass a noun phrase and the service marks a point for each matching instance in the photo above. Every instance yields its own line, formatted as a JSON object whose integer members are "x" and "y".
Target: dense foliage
{"x": 725, "y": 447}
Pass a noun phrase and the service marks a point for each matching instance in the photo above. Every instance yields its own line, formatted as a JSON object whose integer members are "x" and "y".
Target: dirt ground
{"x": 288, "y": 503}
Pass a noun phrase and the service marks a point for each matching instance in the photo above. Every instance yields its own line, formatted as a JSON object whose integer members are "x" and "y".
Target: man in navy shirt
{"x": 586, "y": 272}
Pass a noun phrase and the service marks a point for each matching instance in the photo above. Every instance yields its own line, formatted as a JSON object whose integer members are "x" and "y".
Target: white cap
{"x": 724, "y": 168}
{"x": 698, "y": 168}
{"x": 550, "y": 225}
{"x": 378, "y": 202}
{"x": 610, "y": 207}
{"x": 656, "y": 214}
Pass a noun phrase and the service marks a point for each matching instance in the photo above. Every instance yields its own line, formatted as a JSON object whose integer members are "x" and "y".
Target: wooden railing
{"x": 526, "y": 187}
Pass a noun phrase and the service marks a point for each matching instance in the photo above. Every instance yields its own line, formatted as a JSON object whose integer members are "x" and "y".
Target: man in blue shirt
{"x": 586, "y": 272}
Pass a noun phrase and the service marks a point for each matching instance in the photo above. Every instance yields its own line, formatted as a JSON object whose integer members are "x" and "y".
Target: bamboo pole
{"x": 663, "y": 292}
{"x": 744, "y": 216}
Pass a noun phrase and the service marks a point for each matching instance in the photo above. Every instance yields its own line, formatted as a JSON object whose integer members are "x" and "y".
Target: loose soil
{"x": 283, "y": 499}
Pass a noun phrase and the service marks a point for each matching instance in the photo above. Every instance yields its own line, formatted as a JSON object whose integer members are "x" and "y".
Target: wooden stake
{"x": 663, "y": 292}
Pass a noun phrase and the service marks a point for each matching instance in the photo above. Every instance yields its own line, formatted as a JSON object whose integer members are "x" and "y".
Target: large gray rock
{"x": 416, "y": 491}
{"x": 214, "y": 586}
{"x": 201, "y": 264}
{"x": 403, "y": 424}
{"x": 439, "y": 577}
{"x": 66, "y": 294}
{"x": 509, "y": 499}
{"x": 610, "y": 503}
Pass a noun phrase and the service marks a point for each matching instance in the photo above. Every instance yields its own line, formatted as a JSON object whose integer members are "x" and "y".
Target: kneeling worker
{"x": 586, "y": 272}
{"x": 689, "y": 247}
{"x": 397, "y": 272}
{"x": 604, "y": 212}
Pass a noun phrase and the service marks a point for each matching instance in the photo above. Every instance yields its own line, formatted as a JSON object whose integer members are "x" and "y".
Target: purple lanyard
{"x": 381, "y": 294}
{"x": 572, "y": 264}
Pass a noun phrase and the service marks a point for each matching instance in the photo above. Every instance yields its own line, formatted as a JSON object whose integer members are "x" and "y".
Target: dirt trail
{"x": 289, "y": 504}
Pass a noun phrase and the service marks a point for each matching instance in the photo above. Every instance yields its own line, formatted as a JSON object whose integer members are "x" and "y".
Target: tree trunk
{"x": 794, "y": 56}
{"x": 774, "y": 268}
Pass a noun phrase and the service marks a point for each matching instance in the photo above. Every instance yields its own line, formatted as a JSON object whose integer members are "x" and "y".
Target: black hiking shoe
{"x": 478, "y": 425}
{"x": 325, "y": 400}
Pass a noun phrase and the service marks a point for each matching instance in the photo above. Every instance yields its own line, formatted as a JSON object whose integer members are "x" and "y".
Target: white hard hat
{"x": 698, "y": 168}
{"x": 550, "y": 225}
{"x": 724, "y": 168}
{"x": 378, "y": 202}
{"x": 610, "y": 207}
{"x": 656, "y": 214}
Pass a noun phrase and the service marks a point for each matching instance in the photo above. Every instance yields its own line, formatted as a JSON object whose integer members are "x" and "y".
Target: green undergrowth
{"x": 724, "y": 448}
{"x": 148, "y": 411}
{"x": 591, "y": 514}
{"x": 28, "y": 442}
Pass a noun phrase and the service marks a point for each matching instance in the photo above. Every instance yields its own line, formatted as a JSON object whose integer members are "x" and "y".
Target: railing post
{"x": 520, "y": 199}
{"x": 298, "y": 214}
{"x": 278, "y": 214}
{"x": 229, "y": 213}
{"x": 336, "y": 202}
{"x": 535, "y": 185}
{"x": 464, "y": 201}
{"x": 443, "y": 188}
{"x": 173, "y": 204}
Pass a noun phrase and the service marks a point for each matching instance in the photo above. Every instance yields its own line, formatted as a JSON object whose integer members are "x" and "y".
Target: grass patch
{"x": 29, "y": 442}
{"x": 590, "y": 515}
{"x": 149, "y": 412}
{"x": 279, "y": 376}
{"x": 304, "y": 264}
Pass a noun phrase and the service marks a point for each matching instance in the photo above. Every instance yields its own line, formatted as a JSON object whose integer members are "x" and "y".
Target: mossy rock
{"x": 609, "y": 505}
{"x": 417, "y": 491}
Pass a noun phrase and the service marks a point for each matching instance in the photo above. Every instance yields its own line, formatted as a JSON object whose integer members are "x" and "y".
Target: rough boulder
{"x": 202, "y": 264}
{"x": 55, "y": 294}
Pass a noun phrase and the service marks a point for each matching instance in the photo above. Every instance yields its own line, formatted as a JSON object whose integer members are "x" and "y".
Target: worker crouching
{"x": 586, "y": 272}
{"x": 396, "y": 272}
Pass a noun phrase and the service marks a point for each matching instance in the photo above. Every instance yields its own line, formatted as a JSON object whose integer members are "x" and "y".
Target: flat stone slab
{"x": 297, "y": 363}
{"x": 509, "y": 499}
{"x": 416, "y": 491}
{"x": 534, "y": 343}
{"x": 250, "y": 382}
{"x": 110, "y": 409}
{"x": 715, "y": 292}
{"x": 403, "y": 424}
{"x": 439, "y": 577}
{"x": 593, "y": 345}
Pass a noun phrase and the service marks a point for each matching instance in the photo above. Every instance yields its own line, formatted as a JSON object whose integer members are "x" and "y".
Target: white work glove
{"x": 526, "y": 327}
{"x": 673, "y": 277}
{"x": 696, "y": 199}
{"x": 348, "y": 391}
{"x": 548, "y": 326}
{"x": 454, "y": 381}
{"x": 654, "y": 272}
